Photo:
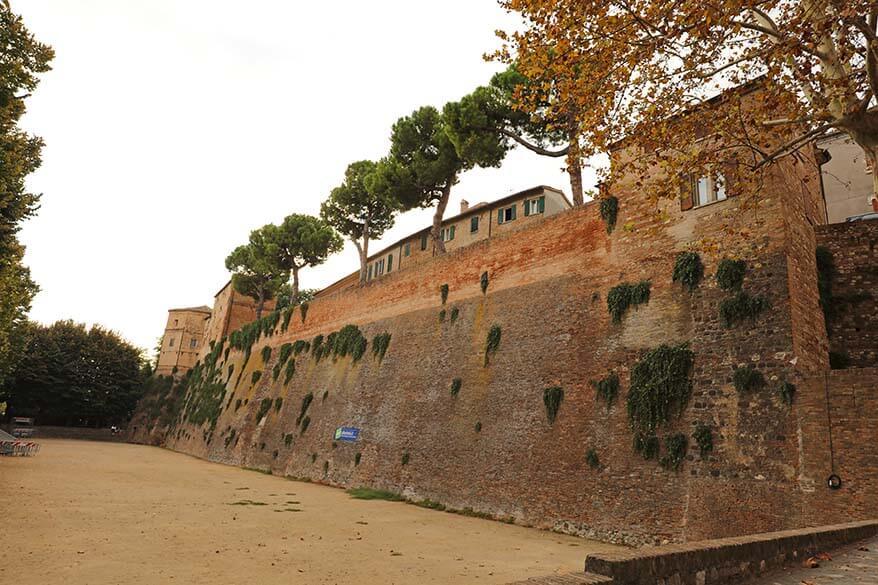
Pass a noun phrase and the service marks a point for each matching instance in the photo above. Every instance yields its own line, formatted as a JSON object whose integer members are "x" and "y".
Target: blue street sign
{"x": 348, "y": 434}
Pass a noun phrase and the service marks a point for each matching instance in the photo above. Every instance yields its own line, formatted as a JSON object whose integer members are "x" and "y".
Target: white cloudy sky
{"x": 174, "y": 127}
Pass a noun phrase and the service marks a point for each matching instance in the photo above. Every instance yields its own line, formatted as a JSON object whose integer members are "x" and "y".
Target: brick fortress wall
{"x": 491, "y": 448}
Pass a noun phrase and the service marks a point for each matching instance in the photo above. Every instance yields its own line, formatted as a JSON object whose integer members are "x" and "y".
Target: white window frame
{"x": 709, "y": 189}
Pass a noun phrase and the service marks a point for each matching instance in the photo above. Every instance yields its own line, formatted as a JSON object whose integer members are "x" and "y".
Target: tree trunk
{"x": 363, "y": 260}
{"x": 295, "y": 294}
{"x": 364, "y": 251}
{"x": 436, "y": 231}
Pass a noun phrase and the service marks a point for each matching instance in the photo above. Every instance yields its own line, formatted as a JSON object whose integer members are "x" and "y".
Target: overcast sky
{"x": 174, "y": 127}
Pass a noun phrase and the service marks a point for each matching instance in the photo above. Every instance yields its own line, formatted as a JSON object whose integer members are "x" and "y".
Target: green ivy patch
{"x": 483, "y": 281}
{"x": 623, "y": 296}
{"x": 492, "y": 343}
{"x": 730, "y": 274}
{"x": 443, "y": 293}
{"x": 455, "y": 313}
{"x": 747, "y": 379}
{"x": 264, "y": 407}
{"x": 303, "y": 310}
{"x": 675, "y": 451}
{"x": 607, "y": 388}
{"x": 290, "y": 370}
{"x": 786, "y": 391}
{"x": 661, "y": 384}
{"x": 306, "y": 402}
{"x": 647, "y": 445}
{"x": 688, "y": 270}
{"x": 552, "y": 398}
{"x": 380, "y": 343}
{"x": 741, "y": 306}
{"x": 455, "y": 386}
{"x": 591, "y": 458}
{"x": 609, "y": 209}
{"x": 703, "y": 438}
{"x": 255, "y": 376}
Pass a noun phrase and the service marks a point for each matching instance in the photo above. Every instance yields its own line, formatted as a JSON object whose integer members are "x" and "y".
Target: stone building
{"x": 182, "y": 340}
{"x": 845, "y": 178}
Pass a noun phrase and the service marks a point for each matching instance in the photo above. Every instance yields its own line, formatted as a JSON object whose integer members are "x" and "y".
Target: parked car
{"x": 863, "y": 216}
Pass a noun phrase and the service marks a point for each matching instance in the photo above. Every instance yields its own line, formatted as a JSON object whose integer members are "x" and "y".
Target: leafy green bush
{"x": 255, "y": 376}
{"x": 443, "y": 292}
{"x": 730, "y": 274}
{"x": 266, "y": 354}
{"x": 747, "y": 379}
{"x": 688, "y": 270}
{"x": 492, "y": 343}
{"x": 626, "y": 295}
{"x": 661, "y": 384}
{"x": 675, "y": 451}
{"x": 303, "y": 310}
{"x": 552, "y": 398}
{"x": 455, "y": 386}
{"x": 703, "y": 438}
{"x": 364, "y": 493}
{"x": 607, "y": 389}
{"x": 289, "y": 371}
{"x": 591, "y": 458}
{"x": 300, "y": 346}
{"x": 741, "y": 306}
{"x": 609, "y": 209}
{"x": 287, "y": 314}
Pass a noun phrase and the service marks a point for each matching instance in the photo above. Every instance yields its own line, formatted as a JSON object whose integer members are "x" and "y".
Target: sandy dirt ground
{"x": 101, "y": 513}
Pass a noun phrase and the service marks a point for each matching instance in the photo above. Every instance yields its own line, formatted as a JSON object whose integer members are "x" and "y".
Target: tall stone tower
{"x": 182, "y": 340}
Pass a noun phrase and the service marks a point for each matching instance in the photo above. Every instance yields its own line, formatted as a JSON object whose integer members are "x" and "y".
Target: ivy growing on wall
{"x": 478, "y": 427}
{"x": 306, "y": 402}
{"x": 609, "y": 209}
{"x": 288, "y": 439}
{"x": 688, "y": 270}
{"x": 675, "y": 451}
{"x": 443, "y": 292}
{"x": 607, "y": 388}
{"x": 303, "y": 310}
{"x": 741, "y": 306}
{"x": 730, "y": 274}
{"x": 786, "y": 390}
{"x": 623, "y": 296}
{"x": 492, "y": 343}
{"x": 552, "y": 398}
{"x": 300, "y": 346}
{"x": 455, "y": 386}
{"x": 747, "y": 379}
{"x": 278, "y": 404}
{"x": 306, "y": 422}
{"x": 317, "y": 347}
{"x": 380, "y": 343}
{"x": 255, "y": 376}
{"x": 442, "y": 316}
{"x": 661, "y": 384}
{"x": 483, "y": 281}
{"x": 264, "y": 407}
{"x": 647, "y": 445}
{"x": 266, "y": 354}
{"x": 287, "y": 315}
{"x": 405, "y": 458}
{"x": 455, "y": 313}
{"x": 703, "y": 438}
{"x": 289, "y": 371}
{"x": 591, "y": 458}
{"x": 357, "y": 458}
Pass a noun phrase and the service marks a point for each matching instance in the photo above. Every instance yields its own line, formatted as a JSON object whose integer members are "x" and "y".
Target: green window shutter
{"x": 513, "y": 211}
{"x": 423, "y": 242}
{"x": 526, "y": 207}
{"x": 474, "y": 224}
{"x": 390, "y": 263}
{"x": 451, "y": 237}
{"x": 499, "y": 216}
{"x": 542, "y": 204}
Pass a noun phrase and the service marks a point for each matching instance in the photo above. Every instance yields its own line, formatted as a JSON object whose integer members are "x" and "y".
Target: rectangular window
{"x": 707, "y": 190}
{"x": 447, "y": 234}
{"x": 390, "y": 263}
{"x": 407, "y": 249}
{"x": 534, "y": 206}
{"x": 423, "y": 242}
{"x": 379, "y": 268}
{"x": 506, "y": 214}
{"x": 171, "y": 342}
{"x": 474, "y": 224}
{"x": 193, "y": 343}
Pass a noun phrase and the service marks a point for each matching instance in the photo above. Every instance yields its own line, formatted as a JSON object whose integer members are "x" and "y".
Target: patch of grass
{"x": 741, "y": 306}
{"x": 365, "y": 493}
{"x": 247, "y": 503}
{"x": 492, "y": 343}
{"x": 429, "y": 504}
{"x": 455, "y": 386}
{"x": 552, "y": 398}
{"x": 747, "y": 379}
{"x": 688, "y": 270}
{"x": 623, "y": 296}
